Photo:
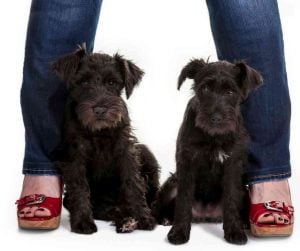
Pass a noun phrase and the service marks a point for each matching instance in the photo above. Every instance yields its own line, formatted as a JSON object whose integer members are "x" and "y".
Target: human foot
{"x": 50, "y": 186}
{"x": 271, "y": 207}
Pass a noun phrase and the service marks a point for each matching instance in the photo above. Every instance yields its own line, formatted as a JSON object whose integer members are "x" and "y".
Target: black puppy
{"x": 211, "y": 152}
{"x": 107, "y": 174}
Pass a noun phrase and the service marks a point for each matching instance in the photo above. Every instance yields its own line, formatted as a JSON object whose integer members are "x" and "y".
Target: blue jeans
{"x": 242, "y": 29}
{"x": 251, "y": 30}
{"x": 56, "y": 28}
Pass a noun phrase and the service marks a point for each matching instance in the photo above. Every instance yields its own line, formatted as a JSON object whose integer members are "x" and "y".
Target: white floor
{"x": 208, "y": 236}
{"x": 159, "y": 37}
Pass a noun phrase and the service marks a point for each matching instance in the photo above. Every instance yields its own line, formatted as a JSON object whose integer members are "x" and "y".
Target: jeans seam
{"x": 39, "y": 170}
{"x": 270, "y": 175}
{"x": 266, "y": 175}
{"x": 39, "y": 163}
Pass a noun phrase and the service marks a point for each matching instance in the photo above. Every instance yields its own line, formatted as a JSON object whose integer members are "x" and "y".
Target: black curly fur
{"x": 211, "y": 151}
{"x": 107, "y": 174}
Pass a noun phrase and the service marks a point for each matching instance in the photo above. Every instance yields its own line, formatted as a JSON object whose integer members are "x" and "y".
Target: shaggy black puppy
{"x": 107, "y": 174}
{"x": 211, "y": 152}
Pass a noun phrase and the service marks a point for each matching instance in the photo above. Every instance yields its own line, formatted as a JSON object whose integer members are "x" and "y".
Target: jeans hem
{"x": 273, "y": 176}
{"x": 32, "y": 168}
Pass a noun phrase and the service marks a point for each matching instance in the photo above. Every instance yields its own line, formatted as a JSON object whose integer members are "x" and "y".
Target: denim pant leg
{"x": 251, "y": 30}
{"x": 55, "y": 28}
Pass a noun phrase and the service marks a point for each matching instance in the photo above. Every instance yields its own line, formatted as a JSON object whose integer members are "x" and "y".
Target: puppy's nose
{"x": 99, "y": 111}
{"x": 216, "y": 118}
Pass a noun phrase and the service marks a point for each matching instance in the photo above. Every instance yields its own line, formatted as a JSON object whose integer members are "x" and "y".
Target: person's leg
{"x": 55, "y": 28}
{"x": 251, "y": 30}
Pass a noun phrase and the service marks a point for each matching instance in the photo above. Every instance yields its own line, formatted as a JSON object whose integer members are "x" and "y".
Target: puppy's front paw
{"x": 236, "y": 237}
{"x": 147, "y": 223}
{"x": 127, "y": 225}
{"x": 84, "y": 227}
{"x": 178, "y": 235}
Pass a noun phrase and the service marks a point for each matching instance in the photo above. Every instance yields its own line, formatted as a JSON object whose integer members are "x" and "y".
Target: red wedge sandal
{"x": 271, "y": 229}
{"x": 40, "y": 201}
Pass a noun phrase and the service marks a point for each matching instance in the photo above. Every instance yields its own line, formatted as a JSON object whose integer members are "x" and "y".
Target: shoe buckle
{"x": 36, "y": 200}
{"x": 271, "y": 205}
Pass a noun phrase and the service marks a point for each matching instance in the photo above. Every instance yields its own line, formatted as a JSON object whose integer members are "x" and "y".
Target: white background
{"x": 159, "y": 37}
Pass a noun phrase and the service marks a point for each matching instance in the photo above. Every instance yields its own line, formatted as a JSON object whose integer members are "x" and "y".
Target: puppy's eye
{"x": 205, "y": 89}
{"x": 229, "y": 92}
{"x": 110, "y": 82}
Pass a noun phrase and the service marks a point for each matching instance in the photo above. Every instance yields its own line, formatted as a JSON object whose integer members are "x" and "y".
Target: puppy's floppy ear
{"x": 131, "y": 73}
{"x": 190, "y": 70}
{"x": 248, "y": 78}
{"x": 66, "y": 66}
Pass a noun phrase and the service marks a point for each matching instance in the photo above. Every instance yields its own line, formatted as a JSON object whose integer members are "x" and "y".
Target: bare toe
{"x": 281, "y": 219}
{"x": 22, "y": 212}
{"x": 267, "y": 218}
{"x": 42, "y": 212}
{"x": 30, "y": 211}
{"x": 25, "y": 212}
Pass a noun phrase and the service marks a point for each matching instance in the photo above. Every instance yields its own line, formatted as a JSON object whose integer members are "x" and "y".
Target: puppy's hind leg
{"x": 150, "y": 172}
{"x": 119, "y": 216}
{"x": 124, "y": 222}
{"x": 132, "y": 197}
{"x": 163, "y": 208}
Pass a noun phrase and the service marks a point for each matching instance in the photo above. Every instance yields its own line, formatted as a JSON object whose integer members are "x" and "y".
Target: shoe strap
{"x": 31, "y": 199}
{"x": 52, "y": 204}
{"x": 256, "y": 210}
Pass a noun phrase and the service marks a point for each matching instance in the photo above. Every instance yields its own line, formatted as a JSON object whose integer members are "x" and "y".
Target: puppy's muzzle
{"x": 99, "y": 112}
{"x": 216, "y": 118}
